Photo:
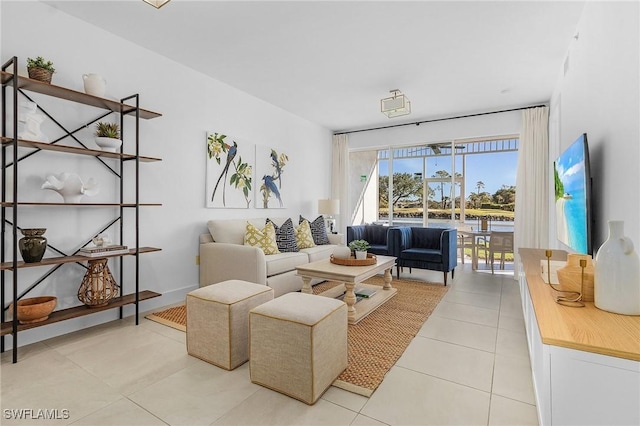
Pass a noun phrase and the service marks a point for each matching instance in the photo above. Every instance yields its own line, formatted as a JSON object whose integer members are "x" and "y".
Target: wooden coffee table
{"x": 351, "y": 277}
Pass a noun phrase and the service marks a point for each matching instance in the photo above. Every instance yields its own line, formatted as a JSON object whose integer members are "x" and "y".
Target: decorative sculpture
{"x": 70, "y": 186}
{"x": 29, "y": 122}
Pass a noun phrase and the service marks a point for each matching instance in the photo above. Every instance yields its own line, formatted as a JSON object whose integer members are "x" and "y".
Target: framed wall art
{"x": 230, "y": 164}
{"x": 271, "y": 182}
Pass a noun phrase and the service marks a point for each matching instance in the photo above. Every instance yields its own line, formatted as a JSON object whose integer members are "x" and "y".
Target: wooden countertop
{"x": 586, "y": 329}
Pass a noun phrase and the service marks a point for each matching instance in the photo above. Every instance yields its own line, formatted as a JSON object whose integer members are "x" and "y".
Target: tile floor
{"x": 468, "y": 365}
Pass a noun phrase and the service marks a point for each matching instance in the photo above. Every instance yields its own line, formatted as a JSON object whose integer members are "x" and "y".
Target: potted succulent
{"x": 40, "y": 69}
{"x": 108, "y": 136}
{"x": 360, "y": 248}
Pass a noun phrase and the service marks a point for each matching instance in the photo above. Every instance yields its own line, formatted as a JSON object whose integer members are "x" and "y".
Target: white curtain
{"x": 339, "y": 178}
{"x": 531, "y": 227}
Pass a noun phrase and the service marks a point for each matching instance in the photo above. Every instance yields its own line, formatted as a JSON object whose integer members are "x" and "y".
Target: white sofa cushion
{"x": 319, "y": 252}
{"x": 228, "y": 231}
{"x": 284, "y": 262}
{"x": 232, "y": 230}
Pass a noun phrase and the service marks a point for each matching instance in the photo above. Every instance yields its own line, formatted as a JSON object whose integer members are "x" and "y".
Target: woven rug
{"x": 377, "y": 341}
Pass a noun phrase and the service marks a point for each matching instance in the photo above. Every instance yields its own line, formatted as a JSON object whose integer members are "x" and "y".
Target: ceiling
{"x": 332, "y": 61}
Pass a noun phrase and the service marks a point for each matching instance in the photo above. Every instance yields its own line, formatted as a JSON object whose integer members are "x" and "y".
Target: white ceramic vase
{"x": 361, "y": 255}
{"x": 342, "y": 252}
{"x": 617, "y": 273}
{"x": 108, "y": 144}
{"x": 70, "y": 186}
{"x": 94, "y": 85}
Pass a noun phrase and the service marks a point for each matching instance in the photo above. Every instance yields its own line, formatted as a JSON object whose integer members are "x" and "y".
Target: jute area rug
{"x": 377, "y": 341}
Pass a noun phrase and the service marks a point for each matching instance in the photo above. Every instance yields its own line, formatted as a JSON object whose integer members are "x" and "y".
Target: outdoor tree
{"x": 479, "y": 185}
{"x": 505, "y": 195}
{"x": 443, "y": 174}
{"x": 405, "y": 185}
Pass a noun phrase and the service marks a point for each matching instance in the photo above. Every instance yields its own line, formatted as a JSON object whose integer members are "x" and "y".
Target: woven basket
{"x": 40, "y": 74}
{"x": 98, "y": 286}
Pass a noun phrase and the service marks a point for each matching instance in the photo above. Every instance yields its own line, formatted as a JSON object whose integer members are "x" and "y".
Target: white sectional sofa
{"x": 223, "y": 256}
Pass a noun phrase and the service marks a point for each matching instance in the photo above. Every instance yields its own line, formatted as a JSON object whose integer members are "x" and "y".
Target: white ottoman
{"x": 298, "y": 344}
{"x": 218, "y": 321}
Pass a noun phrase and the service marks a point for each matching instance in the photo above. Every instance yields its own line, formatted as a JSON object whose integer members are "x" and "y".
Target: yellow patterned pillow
{"x": 264, "y": 238}
{"x": 304, "y": 238}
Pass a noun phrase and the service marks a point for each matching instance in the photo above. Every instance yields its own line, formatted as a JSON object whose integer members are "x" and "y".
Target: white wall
{"x": 191, "y": 104}
{"x": 600, "y": 96}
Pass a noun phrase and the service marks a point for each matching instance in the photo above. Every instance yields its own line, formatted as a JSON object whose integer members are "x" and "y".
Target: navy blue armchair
{"x": 424, "y": 248}
{"x": 375, "y": 235}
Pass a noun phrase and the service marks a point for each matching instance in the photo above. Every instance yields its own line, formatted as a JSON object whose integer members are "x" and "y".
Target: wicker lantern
{"x": 98, "y": 286}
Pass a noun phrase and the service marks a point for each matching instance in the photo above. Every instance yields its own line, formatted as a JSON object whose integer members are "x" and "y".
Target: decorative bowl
{"x": 35, "y": 309}
{"x": 108, "y": 144}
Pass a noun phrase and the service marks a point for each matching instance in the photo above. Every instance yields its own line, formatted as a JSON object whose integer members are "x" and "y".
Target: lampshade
{"x": 329, "y": 207}
{"x": 396, "y": 105}
{"x": 157, "y": 3}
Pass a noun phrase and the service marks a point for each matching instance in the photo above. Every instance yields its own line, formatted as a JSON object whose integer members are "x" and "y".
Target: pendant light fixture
{"x": 396, "y": 105}
{"x": 157, "y": 3}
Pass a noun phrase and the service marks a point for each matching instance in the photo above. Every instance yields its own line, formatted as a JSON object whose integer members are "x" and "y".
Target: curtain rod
{"x": 417, "y": 123}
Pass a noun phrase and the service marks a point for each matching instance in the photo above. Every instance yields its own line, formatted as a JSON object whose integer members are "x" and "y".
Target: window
{"x": 437, "y": 184}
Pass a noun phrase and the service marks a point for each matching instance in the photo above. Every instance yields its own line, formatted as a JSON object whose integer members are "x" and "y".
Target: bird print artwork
{"x": 234, "y": 174}
{"x": 276, "y": 165}
{"x": 272, "y": 182}
{"x": 232, "y": 151}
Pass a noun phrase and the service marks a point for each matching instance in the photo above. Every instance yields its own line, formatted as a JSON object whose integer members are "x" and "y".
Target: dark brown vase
{"x": 33, "y": 244}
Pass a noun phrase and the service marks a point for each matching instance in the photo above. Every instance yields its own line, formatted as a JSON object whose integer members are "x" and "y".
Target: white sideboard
{"x": 585, "y": 362}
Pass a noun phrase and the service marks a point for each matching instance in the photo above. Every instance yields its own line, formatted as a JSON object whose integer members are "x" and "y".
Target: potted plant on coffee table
{"x": 40, "y": 69}
{"x": 108, "y": 136}
{"x": 360, "y": 248}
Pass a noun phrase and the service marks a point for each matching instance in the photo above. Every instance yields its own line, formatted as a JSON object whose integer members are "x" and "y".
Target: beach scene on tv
{"x": 571, "y": 201}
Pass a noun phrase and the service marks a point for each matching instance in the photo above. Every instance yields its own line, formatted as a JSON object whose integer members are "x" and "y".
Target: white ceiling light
{"x": 396, "y": 105}
{"x": 157, "y": 3}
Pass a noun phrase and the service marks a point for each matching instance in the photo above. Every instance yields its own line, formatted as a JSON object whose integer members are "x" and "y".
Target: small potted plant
{"x": 360, "y": 248}
{"x": 108, "y": 136}
{"x": 40, "y": 69}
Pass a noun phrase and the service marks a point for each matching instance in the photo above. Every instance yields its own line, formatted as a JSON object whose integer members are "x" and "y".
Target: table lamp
{"x": 328, "y": 208}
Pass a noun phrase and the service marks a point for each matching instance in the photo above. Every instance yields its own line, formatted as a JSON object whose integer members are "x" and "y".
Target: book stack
{"x": 364, "y": 292}
{"x": 102, "y": 251}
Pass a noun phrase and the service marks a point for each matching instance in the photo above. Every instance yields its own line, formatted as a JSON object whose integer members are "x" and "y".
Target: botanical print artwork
{"x": 270, "y": 164}
{"x": 229, "y": 172}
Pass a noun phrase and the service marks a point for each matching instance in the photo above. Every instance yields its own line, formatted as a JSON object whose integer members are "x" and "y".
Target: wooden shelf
{"x": 25, "y": 148}
{"x": 50, "y": 261}
{"x": 80, "y": 311}
{"x": 75, "y": 150}
{"x": 39, "y": 204}
{"x": 75, "y": 96}
{"x": 586, "y": 329}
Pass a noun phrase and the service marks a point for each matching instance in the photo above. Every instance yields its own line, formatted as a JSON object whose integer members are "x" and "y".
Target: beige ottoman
{"x": 298, "y": 344}
{"x": 218, "y": 321}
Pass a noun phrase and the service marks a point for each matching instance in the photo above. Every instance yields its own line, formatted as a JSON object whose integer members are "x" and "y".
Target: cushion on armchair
{"x": 375, "y": 235}
{"x": 424, "y": 248}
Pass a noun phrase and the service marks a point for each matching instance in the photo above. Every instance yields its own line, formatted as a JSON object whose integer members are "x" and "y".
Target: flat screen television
{"x": 573, "y": 197}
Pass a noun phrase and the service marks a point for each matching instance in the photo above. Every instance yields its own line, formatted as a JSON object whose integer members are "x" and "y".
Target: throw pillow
{"x": 285, "y": 236}
{"x": 304, "y": 239}
{"x": 264, "y": 238}
{"x": 318, "y": 230}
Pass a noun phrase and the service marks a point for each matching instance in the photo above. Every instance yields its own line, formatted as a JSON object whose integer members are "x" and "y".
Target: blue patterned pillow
{"x": 285, "y": 236}
{"x": 318, "y": 230}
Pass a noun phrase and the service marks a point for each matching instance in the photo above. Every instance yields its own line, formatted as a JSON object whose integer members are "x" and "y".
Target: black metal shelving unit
{"x": 9, "y": 206}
